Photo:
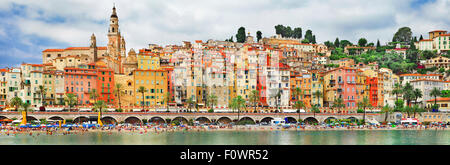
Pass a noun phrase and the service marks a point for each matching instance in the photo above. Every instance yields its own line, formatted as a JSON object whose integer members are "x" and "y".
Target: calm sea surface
{"x": 377, "y": 137}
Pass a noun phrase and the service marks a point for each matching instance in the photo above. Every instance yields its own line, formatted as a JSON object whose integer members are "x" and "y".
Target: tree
{"x": 277, "y": 98}
{"x": 339, "y": 103}
{"x": 313, "y": 41}
{"x": 403, "y": 34}
{"x": 315, "y": 110}
{"x": 93, "y": 95}
{"x": 258, "y": 35}
{"x": 398, "y": 89}
{"x": 408, "y": 94}
{"x": 364, "y": 104}
{"x": 26, "y": 109}
{"x": 417, "y": 109}
{"x": 167, "y": 100}
{"x": 142, "y": 90}
{"x": 435, "y": 92}
{"x": 328, "y": 44}
{"x": 16, "y": 102}
{"x": 318, "y": 94}
{"x": 417, "y": 95}
{"x": 421, "y": 38}
{"x": 299, "y": 105}
{"x": 345, "y": 43}
{"x": 254, "y": 98}
{"x": 190, "y": 102}
{"x": 236, "y": 104}
{"x": 297, "y": 33}
{"x": 71, "y": 100}
{"x": 212, "y": 100}
{"x": 428, "y": 54}
{"x": 386, "y": 110}
{"x": 240, "y": 36}
{"x": 362, "y": 42}
{"x": 336, "y": 43}
{"x": 98, "y": 107}
{"x": 309, "y": 35}
{"x": 118, "y": 91}
{"x": 378, "y": 44}
{"x": 42, "y": 91}
{"x": 305, "y": 41}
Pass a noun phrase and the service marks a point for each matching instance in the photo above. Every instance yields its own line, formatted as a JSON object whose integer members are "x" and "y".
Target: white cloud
{"x": 171, "y": 22}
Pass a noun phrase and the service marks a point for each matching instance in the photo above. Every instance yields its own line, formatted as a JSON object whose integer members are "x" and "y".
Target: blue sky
{"x": 28, "y": 27}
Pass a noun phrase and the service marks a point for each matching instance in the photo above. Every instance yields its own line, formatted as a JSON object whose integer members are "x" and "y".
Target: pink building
{"x": 80, "y": 81}
{"x": 341, "y": 83}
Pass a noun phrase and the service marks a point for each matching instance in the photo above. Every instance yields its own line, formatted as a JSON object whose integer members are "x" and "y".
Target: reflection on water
{"x": 279, "y": 137}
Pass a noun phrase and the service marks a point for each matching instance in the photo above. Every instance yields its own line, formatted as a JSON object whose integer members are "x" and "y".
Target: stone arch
{"x": 246, "y": 120}
{"x": 327, "y": 120}
{"x": 156, "y": 120}
{"x": 109, "y": 120}
{"x": 133, "y": 120}
{"x": 203, "y": 120}
{"x": 266, "y": 119}
{"x": 54, "y": 118}
{"x": 311, "y": 120}
{"x": 291, "y": 119}
{"x": 181, "y": 119}
{"x": 3, "y": 117}
{"x": 353, "y": 119}
{"x": 81, "y": 119}
{"x": 224, "y": 120}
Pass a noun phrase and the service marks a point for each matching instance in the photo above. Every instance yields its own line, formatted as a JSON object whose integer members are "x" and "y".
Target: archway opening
{"x": 311, "y": 120}
{"x": 290, "y": 120}
{"x": 330, "y": 120}
{"x": 30, "y": 118}
{"x": 157, "y": 120}
{"x": 109, "y": 120}
{"x": 224, "y": 120}
{"x": 81, "y": 120}
{"x": 352, "y": 119}
{"x": 180, "y": 120}
{"x": 133, "y": 120}
{"x": 266, "y": 120}
{"x": 246, "y": 120}
{"x": 3, "y": 117}
{"x": 53, "y": 118}
{"x": 203, "y": 120}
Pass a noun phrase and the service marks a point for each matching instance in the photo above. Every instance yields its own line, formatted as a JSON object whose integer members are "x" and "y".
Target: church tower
{"x": 93, "y": 48}
{"x": 116, "y": 44}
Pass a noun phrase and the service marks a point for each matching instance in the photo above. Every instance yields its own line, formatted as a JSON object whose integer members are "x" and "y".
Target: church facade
{"x": 113, "y": 55}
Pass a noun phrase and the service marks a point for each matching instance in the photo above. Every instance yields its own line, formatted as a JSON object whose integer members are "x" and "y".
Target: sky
{"x": 29, "y": 27}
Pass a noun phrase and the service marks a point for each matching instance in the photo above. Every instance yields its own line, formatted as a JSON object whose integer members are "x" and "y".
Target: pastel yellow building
{"x": 155, "y": 81}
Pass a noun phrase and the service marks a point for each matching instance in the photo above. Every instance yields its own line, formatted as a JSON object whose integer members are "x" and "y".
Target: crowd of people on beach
{"x": 161, "y": 128}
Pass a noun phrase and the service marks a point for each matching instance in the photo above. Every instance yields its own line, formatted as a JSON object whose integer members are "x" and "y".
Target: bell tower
{"x": 93, "y": 48}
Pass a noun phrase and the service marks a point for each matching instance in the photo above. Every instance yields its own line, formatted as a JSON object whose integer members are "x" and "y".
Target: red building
{"x": 372, "y": 82}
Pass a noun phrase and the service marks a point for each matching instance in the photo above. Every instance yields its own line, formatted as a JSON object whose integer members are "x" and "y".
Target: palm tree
{"x": 339, "y": 103}
{"x": 398, "y": 89}
{"x": 142, "y": 90}
{"x": 71, "y": 100}
{"x": 435, "y": 92}
{"x": 299, "y": 105}
{"x": 98, "y": 107}
{"x": 386, "y": 110}
{"x": 417, "y": 94}
{"x": 297, "y": 93}
{"x": 364, "y": 104}
{"x": 408, "y": 96}
{"x": 118, "y": 90}
{"x": 237, "y": 103}
{"x": 25, "y": 108}
{"x": 93, "y": 95}
{"x": 190, "y": 102}
{"x": 42, "y": 91}
{"x": 212, "y": 100}
{"x": 318, "y": 94}
{"x": 16, "y": 102}
{"x": 254, "y": 98}
{"x": 167, "y": 99}
{"x": 315, "y": 110}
